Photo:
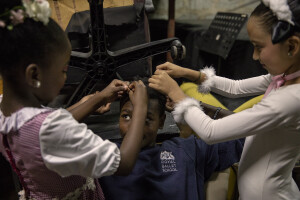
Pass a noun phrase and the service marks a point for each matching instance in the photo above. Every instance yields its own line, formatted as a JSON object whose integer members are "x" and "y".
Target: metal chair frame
{"x": 102, "y": 64}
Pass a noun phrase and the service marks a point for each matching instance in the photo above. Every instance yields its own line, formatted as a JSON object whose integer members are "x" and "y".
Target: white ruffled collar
{"x": 19, "y": 118}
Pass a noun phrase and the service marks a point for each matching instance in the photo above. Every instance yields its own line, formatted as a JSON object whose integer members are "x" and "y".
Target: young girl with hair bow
{"x": 55, "y": 156}
{"x": 272, "y": 126}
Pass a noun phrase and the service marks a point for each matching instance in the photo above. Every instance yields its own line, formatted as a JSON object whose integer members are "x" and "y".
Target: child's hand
{"x": 173, "y": 70}
{"x": 103, "y": 109}
{"x": 163, "y": 83}
{"x": 138, "y": 93}
{"x": 169, "y": 105}
{"x": 114, "y": 90}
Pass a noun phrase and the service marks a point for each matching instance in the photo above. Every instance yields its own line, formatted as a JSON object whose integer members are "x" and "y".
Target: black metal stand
{"x": 102, "y": 64}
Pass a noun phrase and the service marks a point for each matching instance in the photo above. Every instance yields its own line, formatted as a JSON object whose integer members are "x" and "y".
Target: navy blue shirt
{"x": 176, "y": 169}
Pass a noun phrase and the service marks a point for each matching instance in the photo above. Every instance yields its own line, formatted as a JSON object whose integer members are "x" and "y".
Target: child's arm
{"x": 132, "y": 141}
{"x": 212, "y": 111}
{"x": 176, "y": 71}
{"x": 215, "y": 112}
{"x": 85, "y": 107}
{"x": 102, "y": 109}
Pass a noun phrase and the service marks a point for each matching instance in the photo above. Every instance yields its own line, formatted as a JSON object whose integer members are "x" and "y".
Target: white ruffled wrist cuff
{"x": 205, "y": 86}
{"x": 182, "y": 107}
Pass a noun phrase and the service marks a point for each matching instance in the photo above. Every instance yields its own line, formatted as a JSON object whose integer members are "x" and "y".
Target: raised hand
{"x": 163, "y": 83}
{"x": 114, "y": 90}
{"x": 138, "y": 93}
{"x": 173, "y": 70}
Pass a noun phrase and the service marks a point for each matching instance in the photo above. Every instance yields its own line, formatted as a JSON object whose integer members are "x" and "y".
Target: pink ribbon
{"x": 279, "y": 80}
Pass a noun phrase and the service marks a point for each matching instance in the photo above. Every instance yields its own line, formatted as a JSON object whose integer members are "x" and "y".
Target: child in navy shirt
{"x": 176, "y": 168}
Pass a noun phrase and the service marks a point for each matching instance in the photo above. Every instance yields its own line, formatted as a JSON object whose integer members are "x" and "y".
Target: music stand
{"x": 222, "y": 32}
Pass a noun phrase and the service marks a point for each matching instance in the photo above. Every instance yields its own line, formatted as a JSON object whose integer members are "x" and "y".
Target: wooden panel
{"x": 117, "y": 3}
{"x": 62, "y": 10}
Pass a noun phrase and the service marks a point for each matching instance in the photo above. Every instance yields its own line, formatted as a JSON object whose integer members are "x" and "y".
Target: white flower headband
{"x": 39, "y": 10}
{"x": 281, "y": 9}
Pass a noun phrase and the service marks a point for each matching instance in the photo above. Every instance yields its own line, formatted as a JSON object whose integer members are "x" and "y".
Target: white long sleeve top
{"x": 272, "y": 131}
{"x": 69, "y": 148}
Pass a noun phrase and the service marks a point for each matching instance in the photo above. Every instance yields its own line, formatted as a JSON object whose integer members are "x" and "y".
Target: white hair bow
{"x": 281, "y": 9}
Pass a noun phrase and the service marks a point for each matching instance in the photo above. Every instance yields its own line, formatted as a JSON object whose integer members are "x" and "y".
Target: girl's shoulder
{"x": 291, "y": 92}
{"x": 285, "y": 99}
{"x": 15, "y": 121}
{"x": 285, "y": 93}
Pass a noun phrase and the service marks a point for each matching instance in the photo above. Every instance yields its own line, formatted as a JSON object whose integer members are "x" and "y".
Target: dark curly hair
{"x": 152, "y": 94}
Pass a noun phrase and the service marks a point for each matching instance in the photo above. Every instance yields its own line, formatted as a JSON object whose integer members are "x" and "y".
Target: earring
{"x": 290, "y": 54}
{"x": 37, "y": 84}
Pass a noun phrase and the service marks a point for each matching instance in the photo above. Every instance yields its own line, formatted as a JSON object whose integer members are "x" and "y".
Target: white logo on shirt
{"x": 168, "y": 163}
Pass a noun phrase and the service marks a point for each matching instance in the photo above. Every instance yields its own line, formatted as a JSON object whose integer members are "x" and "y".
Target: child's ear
{"x": 32, "y": 75}
{"x": 162, "y": 119}
{"x": 294, "y": 45}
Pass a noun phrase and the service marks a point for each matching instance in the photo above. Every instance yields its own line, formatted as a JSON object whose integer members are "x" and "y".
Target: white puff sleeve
{"x": 70, "y": 148}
